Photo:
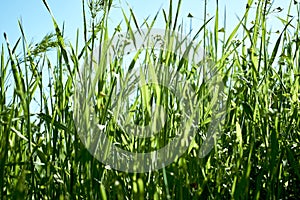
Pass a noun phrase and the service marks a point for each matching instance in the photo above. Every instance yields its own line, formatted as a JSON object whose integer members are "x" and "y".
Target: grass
{"x": 256, "y": 156}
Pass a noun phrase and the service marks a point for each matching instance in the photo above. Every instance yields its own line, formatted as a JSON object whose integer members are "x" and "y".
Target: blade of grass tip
{"x": 145, "y": 22}
{"x": 25, "y": 47}
{"x": 288, "y": 16}
{"x": 254, "y": 59}
{"x": 228, "y": 53}
{"x": 135, "y": 58}
{"x": 233, "y": 33}
{"x": 165, "y": 16}
{"x": 201, "y": 28}
{"x": 20, "y": 87}
{"x": 177, "y": 13}
{"x": 135, "y": 21}
{"x": 224, "y": 30}
{"x": 2, "y": 77}
{"x": 105, "y": 42}
{"x": 129, "y": 29}
{"x": 149, "y": 28}
{"x": 216, "y": 31}
{"x": 62, "y": 45}
{"x": 16, "y": 45}
{"x": 204, "y": 33}
{"x": 248, "y": 33}
{"x": 47, "y": 7}
{"x": 104, "y": 47}
{"x": 244, "y": 48}
{"x": 275, "y": 50}
{"x": 59, "y": 37}
{"x": 255, "y": 29}
{"x": 84, "y": 22}
{"x": 170, "y": 16}
{"x": 183, "y": 60}
{"x": 84, "y": 49}
{"x": 75, "y": 61}
{"x": 63, "y": 29}
{"x": 263, "y": 42}
{"x": 77, "y": 39}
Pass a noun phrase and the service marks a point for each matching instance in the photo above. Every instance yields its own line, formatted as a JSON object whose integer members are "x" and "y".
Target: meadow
{"x": 255, "y": 156}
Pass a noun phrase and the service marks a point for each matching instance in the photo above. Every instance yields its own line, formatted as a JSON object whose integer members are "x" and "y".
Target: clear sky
{"x": 37, "y": 21}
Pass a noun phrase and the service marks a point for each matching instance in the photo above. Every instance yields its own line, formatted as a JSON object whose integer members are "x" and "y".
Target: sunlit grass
{"x": 256, "y": 157}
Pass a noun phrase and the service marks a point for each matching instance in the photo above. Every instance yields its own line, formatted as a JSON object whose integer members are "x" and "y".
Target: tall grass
{"x": 256, "y": 157}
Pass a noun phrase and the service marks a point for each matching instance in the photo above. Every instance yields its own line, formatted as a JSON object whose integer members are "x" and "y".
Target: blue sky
{"x": 37, "y": 22}
{"x": 35, "y": 18}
